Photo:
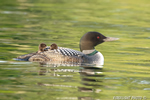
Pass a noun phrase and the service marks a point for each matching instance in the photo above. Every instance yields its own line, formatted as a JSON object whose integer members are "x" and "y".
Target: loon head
{"x": 89, "y": 40}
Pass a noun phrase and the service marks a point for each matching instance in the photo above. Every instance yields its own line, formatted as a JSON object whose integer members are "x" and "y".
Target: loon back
{"x": 61, "y": 55}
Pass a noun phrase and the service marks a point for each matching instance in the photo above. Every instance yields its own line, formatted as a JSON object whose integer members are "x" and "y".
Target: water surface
{"x": 26, "y": 23}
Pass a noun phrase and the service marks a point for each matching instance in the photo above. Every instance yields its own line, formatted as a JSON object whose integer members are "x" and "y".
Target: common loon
{"x": 87, "y": 53}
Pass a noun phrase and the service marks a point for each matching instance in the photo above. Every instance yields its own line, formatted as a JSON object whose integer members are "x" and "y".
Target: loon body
{"x": 87, "y": 53}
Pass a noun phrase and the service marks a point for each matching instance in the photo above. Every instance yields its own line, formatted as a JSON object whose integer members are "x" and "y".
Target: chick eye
{"x": 98, "y": 37}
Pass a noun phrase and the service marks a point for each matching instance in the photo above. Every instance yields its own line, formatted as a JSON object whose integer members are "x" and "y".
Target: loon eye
{"x": 98, "y": 37}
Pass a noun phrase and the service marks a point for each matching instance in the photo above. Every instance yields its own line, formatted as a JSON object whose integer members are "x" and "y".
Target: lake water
{"x": 126, "y": 71}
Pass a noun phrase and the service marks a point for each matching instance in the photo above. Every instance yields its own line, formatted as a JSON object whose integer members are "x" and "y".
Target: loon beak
{"x": 107, "y": 39}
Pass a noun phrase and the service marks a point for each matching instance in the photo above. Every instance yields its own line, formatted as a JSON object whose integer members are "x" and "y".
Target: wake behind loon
{"x": 87, "y": 53}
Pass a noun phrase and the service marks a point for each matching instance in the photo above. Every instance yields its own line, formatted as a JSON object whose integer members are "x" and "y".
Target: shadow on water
{"x": 90, "y": 79}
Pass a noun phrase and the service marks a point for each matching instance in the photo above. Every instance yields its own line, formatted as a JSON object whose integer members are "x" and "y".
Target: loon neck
{"x": 86, "y": 46}
{"x": 90, "y": 52}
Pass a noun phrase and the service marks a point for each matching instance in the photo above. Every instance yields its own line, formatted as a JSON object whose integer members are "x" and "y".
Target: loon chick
{"x": 53, "y": 46}
{"x": 87, "y": 53}
{"x": 42, "y": 47}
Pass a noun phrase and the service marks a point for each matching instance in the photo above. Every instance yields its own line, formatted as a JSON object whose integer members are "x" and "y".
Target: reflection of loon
{"x": 87, "y": 55}
{"x": 92, "y": 81}
{"x": 88, "y": 83}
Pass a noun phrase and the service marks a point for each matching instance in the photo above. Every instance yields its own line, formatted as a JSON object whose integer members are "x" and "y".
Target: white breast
{"x": 97, "y": 59}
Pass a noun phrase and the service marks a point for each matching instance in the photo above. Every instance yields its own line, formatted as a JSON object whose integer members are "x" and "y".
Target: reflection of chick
{"x": 53, "y": 46}
{"x": 42, "y": 46}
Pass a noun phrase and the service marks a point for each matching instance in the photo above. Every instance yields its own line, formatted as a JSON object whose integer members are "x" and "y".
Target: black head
{"x": 91, "y": 39}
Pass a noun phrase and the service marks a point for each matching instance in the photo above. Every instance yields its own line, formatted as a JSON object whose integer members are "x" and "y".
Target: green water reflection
{"x": 26, "y": 23}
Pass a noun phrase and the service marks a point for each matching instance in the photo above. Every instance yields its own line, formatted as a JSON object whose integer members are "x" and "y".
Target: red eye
{"x": 98, "y": 37}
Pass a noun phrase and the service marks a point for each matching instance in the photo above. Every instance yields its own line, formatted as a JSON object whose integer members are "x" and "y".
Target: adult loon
{"x": 87, "y": 53}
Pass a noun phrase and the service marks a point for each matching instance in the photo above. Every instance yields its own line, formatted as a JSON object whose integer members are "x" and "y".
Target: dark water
{"x": 26, "y": 23}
